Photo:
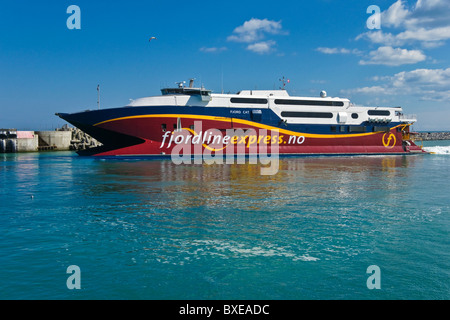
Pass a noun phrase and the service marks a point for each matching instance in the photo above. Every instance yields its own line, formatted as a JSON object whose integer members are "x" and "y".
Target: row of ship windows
{"x": 329, "y": 115}
{"x": 289, "y": 102}
{"x": 355, "y": 129}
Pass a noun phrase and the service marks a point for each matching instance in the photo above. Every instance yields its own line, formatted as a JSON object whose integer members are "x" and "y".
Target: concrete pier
{"x": 12, "y": 141}
{"x": 65, "y": 138}
{"x": 27, "y": 141}
{"x": 54, "y": 140}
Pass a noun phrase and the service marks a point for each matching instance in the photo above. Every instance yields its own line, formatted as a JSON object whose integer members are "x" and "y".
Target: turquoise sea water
{"x": 150, "y": 229}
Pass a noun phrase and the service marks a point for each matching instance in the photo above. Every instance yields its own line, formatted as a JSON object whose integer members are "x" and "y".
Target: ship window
{"x": 172, "y": 91}
{"x": 293, "y": 114}
{"x": 342, "y": 128}
{"x": 249, "y": 100}
{"x": 174, "y": 126}
{"x": 379, "y": 113}
{"x": 192, "y": 127}
{"x": 163, "y": 127}
{"x": 310, "y": 103}
{"x": 354, "y": 115}
{"x": 383, "y": 129}
{"x": 333, "y": 128}
{"x": 186, "y": 91}
{"x": 357, "y": 129}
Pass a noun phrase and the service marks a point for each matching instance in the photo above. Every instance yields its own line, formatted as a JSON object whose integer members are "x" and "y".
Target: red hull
{"x": 157, "y": 141}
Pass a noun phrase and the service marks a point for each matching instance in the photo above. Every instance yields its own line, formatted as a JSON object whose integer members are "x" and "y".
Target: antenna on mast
{"x": 98, "y": 96}
{"x": 283, "y": 82}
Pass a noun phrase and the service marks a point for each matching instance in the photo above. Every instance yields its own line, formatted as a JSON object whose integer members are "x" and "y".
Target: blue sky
{"x": 319, "y": 45}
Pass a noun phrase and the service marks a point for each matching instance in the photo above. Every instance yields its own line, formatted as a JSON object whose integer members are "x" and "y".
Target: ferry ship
{"x": 263, "y": 118}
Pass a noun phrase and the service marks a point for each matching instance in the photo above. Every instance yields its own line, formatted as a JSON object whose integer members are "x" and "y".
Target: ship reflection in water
{"x": 165, "y": 186}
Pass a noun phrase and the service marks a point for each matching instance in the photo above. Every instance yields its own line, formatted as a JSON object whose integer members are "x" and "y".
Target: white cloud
{"x": 213, "y": 49}
{"x": 395, "y": 15}
{"x": 338, "y": 50}
{"x": 393, "y": 57}
{"x": 332, "y": 50}
{"x": 428, "y": 35}
{"x": 380, "y": 37}
{"x": 428, "y": 38}
{"x": 429, "y": 14}
{"x": 427, "y": 84}
{"x": 262, "y": 47}
{"x": 432, "y": 44}
{"x": 430, "y": 3}
{"x": 426, "y": 23}
{"x": 433, "y": 78}
{"x": 369, "y": 90}
{"x": 256, "y": 29}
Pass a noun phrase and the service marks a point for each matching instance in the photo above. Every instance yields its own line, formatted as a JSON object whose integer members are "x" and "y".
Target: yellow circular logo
{"x": 390, "y": 141}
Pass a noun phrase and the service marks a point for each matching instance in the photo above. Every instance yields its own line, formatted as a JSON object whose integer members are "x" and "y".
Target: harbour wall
{"x": 433, "y": 135}
{"x": 27, "y": 141}
{"x": 81, "y": 140}
{"x": 65, "y": 138}
{"x": 54, "y": 140}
